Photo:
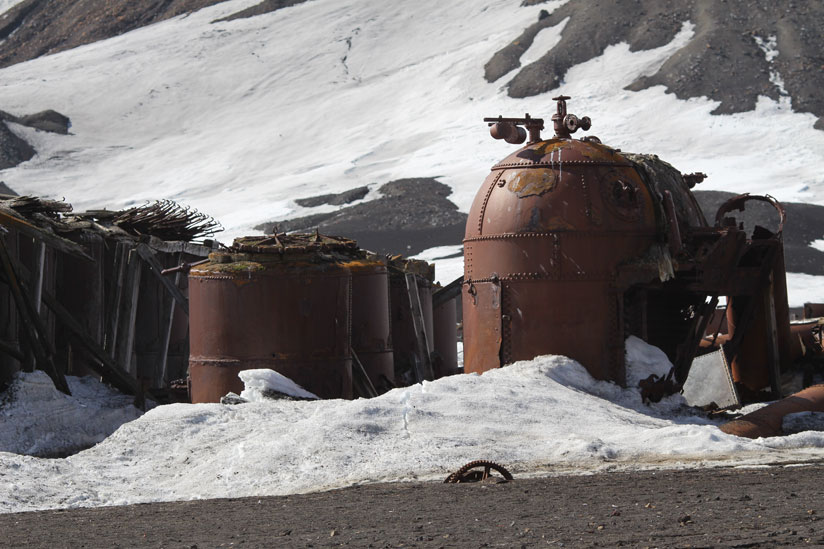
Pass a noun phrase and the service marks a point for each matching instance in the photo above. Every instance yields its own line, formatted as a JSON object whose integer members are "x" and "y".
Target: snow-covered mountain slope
{"x": 240, "y": 118}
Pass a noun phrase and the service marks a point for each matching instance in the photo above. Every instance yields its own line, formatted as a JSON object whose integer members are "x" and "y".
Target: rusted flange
{"x": 738, "y": 203}
{"x": 484, "y": 468}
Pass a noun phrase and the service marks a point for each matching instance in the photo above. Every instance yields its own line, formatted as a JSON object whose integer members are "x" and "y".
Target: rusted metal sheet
{"x": 766, "y": 422}
{"x": 482, "y": 318}
{"x": 813, "y": 310}
{"x": 445, "y": 320}
{"x": 286, "y": 311}
{"x": 371, "y": 328}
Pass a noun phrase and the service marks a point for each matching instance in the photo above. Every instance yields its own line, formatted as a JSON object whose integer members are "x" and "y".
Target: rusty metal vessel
{"x": 371, "y": 326}
{"x": 572, "y": 245}
{"x": 280, "y": 302}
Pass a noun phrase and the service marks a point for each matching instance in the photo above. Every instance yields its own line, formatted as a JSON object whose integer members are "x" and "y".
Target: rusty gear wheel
{"x": 467, "y": 474}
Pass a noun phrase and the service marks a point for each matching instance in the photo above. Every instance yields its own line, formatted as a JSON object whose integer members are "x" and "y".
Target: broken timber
{"x": 425, "y": 360}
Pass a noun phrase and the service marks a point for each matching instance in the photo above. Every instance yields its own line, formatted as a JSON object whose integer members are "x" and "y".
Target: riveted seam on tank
{"x": 600, "y": 275}
{"x": 587, "y": 198}
{"x": 566, "y": 233}
{"x": 555, "y": 262}
{"x": 506, "y": 325}
{"x": 486, "y": 200}
{"x": 555, "y": 165}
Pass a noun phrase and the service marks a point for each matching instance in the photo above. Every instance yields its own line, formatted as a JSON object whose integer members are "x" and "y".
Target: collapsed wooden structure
{"x": 83, "y": 293}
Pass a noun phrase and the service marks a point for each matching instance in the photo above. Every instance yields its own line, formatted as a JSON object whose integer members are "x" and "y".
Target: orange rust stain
{"x": 531, "y": 182}
{"x": 549, "y": 146}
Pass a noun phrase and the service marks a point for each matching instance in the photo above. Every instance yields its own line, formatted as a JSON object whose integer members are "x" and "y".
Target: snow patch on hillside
{"x": 234, "y": 118}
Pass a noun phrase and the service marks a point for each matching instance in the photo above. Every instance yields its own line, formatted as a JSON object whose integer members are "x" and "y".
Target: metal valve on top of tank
{"x": 567, "y": 124}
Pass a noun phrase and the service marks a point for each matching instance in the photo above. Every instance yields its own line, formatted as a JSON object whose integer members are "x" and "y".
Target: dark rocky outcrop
{"x": 13, "y": 149}
{"x": 722, "y": 61}
{"x": 34, "y": 28}
{"x": 411, "y": 216}
{"x": 265, "y": 6}
{"x": 339, "y": 199}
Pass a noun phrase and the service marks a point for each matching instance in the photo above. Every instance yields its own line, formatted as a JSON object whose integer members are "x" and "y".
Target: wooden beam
{"x": 12, "y": 219}
{"x": 11, "y": 350}
{"x": 447, "y": 293}
{"x": 360, "y": 379}
{"x": 149, "y": 257}
{"x": 33, "y": 329}
{"x": 167, "y": 334}
{"x": 421, "y": 339}
{"x": 121, "y": 251}
{"x": 108, "y": 368}
{"x": 128, "y": 314}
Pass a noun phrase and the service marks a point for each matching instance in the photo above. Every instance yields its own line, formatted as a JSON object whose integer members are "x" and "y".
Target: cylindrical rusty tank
{"x": 404, "y": 340}
{"x": 282, "y": 303}
{"x": 371, "y": 326}
{"x": 546, "y": 235}
{"x": 445, "y": 323}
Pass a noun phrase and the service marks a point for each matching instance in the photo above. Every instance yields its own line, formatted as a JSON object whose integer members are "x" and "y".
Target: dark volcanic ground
{"x": 410, "y": 216}
{"x": 769, "y": 507}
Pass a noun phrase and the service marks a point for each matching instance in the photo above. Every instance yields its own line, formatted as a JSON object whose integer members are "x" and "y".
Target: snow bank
{"x": 258, "y": 385}
{"x": 541, "y": 416}
{"x": 37, "y": 419}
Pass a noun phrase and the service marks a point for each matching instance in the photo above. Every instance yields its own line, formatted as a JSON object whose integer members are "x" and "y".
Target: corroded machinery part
{"x": 478, "y": 471}
{"x": 766, "y": 421}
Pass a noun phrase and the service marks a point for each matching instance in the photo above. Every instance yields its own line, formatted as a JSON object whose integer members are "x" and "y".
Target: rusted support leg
{"x": 773, "y": 355}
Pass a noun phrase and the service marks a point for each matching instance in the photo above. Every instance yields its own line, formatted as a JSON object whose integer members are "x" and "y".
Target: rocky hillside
{"x": 741, "y": 49}
{"x": 39, "y": 27}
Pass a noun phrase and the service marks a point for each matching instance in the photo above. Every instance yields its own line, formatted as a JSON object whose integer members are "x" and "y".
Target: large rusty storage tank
{"x": 371, "y": 326}
{"x": 281, "y": 302}
{"x": 546, "y": 240}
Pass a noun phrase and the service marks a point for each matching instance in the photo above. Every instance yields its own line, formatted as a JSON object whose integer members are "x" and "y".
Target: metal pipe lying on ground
{"x": 766, "y": 422}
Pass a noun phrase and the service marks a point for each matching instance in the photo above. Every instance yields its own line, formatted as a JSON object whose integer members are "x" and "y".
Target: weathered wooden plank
{"x": 420, "y": 331}
{"x": 121, "y": 255}
{"x": 128, "y": 313}
{"x": 107, "y": 367}
{"x": 33, "y": 329}
{"x": 447, "y": 293}
{"x": 157, "y": 269}
{"x": 167, "y": 329}
{"x": 360, "y": 379}
{"x": 11, "y": 219}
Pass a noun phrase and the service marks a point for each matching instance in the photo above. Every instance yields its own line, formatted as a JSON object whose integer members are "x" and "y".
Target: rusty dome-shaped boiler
{"x": 557, "y": 237}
